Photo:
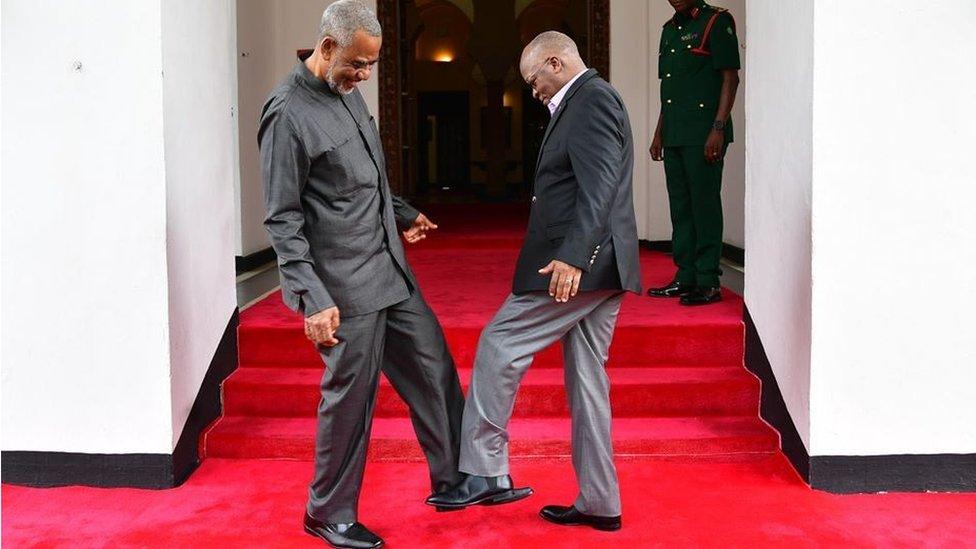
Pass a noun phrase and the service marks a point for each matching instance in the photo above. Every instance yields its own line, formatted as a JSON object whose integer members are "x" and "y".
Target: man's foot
{"x": 353, "y": 535}
{"x": 703, "y": 296}
{"x": 673, "y": 289}
{"x": 477, "y": 490}
{"x": 569, "y": 516}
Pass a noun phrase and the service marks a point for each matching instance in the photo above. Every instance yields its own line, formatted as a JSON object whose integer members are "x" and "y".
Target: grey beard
{"x": 335, "y": 86}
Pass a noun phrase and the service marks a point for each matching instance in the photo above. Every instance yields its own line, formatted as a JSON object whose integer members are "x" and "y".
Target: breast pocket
{"x": 345, "y": 167}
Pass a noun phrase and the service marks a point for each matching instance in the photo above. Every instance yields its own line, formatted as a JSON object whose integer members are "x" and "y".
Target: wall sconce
{"x": 444, "y": 56}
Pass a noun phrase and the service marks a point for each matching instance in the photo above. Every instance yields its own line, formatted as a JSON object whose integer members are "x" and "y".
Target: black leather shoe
{"x": 477, "y": 490}
{"x": 673, "y": 289}
{"x": 569, "y": 516}
{"x": 703, "y": 296}
{"x": 353, "y": 536}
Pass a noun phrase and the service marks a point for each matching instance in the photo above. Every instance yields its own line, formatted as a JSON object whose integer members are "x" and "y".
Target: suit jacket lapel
{"x": 590, "y": 73}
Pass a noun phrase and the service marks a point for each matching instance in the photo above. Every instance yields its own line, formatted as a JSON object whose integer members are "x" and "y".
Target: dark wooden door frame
{"x": 390, "y": 94}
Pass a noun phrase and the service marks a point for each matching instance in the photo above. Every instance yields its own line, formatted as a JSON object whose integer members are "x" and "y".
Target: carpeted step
{"x": 663, "y": 344}
{"x": 662, "y": 391}
{"x": 393, "y": 439}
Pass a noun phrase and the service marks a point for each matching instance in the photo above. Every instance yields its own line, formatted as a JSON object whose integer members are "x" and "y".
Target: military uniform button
{"x": 702, "y": 105}
{"x": 533, "y": 199}
{"x": 669, "y": 101}
{"x": 672, "y": 50}
{"x": 689, "y": 46}
{"x": 667, "y": 75}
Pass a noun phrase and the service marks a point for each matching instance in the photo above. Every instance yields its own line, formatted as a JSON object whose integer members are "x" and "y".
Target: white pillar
{"x": 117, "y": 271}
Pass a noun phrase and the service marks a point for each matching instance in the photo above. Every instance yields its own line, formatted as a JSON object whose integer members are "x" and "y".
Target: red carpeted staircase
{"x": 678, "y": 384}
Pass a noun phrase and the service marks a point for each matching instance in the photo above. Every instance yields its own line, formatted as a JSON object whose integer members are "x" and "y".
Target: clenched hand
{"x": 565, "y": 280}
{"x": 321, "y": 327}
{"x": 418, "y": 231}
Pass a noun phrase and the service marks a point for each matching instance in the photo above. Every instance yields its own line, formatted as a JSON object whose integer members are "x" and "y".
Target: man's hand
{"x": 321, "y": 327}
{"x": 418, "y": 231}
{"x": 565, "y": 280}
{"x": 657, "y": 148}
{"x": 713, "y": 146}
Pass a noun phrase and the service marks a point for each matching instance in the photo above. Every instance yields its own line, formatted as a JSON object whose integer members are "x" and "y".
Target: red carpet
{"x": 256, "y": 503}
{"x": 679, "y": 387}
{"x": 697, "y": 466}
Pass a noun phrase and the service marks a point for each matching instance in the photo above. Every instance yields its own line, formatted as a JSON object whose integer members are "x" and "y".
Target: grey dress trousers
{"x": 334, "y": 225}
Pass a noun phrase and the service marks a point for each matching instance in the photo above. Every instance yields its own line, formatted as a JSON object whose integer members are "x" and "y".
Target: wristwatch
{"x": 718, "y": 125}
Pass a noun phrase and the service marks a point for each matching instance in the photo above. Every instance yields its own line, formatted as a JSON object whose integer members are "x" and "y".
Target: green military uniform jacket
{"x": 695, "y": 48}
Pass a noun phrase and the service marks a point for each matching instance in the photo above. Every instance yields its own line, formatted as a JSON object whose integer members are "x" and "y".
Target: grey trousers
{"x": 408, "y": 344}
{"x": 525, "y": 325}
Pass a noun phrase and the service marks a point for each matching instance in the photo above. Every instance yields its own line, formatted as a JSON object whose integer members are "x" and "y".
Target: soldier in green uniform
{"x": 698, "y": 67}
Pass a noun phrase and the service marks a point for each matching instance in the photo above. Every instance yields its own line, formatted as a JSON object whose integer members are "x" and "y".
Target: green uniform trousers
{"x": 695, "y": 196}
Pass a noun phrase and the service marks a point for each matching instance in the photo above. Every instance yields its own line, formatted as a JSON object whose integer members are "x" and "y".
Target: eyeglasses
{"x": 362, "y": 65}
{"x": 531, "y": 79}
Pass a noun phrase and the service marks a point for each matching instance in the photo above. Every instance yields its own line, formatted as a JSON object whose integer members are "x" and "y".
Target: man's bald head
{"x": 551, "y": 44}
{"x": 548, "y": 63}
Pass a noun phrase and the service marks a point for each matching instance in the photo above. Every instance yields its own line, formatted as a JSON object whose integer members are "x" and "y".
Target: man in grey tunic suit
{"x": 579, "y": 257}
{"x": 334, "y": 225}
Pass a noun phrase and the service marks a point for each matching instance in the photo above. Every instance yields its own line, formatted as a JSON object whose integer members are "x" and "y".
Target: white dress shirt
{"x": 558, "y": 98}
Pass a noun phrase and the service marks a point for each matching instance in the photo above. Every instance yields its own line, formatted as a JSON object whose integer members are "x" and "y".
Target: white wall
{"x": 635, "y": 31}
{"x": 778, "y": 172}
{"x": 199, "y": 66}
{"x": 117, "y": 209}
{"x": 634, "y": 75}
{"x": 894, "y": 340}
{"x": 85, "y": 349}
{"x": 269, "y": 33}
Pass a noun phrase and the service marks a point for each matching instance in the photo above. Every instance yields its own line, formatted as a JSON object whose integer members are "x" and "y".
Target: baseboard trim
{"x": 249, "y": 262}
{"x": 656, "y": 245}
{"x": 852, "y": 474}
{"x": 46, "y": 469}
{"x": 733, "y": 253}
{"x": 207, "y": 406}
{"x": 894, "y": 473}
{"x": 772, "y": 406}
{"x": 730, "y": 252}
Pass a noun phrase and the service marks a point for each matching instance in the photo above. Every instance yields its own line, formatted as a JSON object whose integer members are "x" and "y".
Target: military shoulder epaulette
{"x": 698, "y": 9}
{"x": 702, "y": 48}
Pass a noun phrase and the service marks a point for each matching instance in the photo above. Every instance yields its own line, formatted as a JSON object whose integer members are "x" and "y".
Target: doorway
{"x": 458, "y": 123}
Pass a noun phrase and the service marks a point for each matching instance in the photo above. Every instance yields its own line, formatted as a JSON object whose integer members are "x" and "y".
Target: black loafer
{"x": 352, "y": 536}
{"x": 703, "y": 296}
{"x": 478, "y": 490}
{"x": 569, "y": 516}
{"x": 673, "y": 289}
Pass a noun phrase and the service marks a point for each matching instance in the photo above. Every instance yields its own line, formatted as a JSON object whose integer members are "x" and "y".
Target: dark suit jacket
{"x": 583, "y": 207}
{"x": 331, "y": 217}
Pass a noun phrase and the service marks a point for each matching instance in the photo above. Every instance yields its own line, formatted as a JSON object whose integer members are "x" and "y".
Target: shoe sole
{"x": 601, "y": 527}
{"x": 702, "y": 303}
{"x": 508, "y": 496}
{"x": 313, "y": 533}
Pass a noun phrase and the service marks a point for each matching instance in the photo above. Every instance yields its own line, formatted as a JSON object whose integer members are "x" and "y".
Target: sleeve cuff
{"x": 311, "y": 304}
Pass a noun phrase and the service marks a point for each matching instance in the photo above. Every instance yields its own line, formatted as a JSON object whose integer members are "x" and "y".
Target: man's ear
{"x": 327, "y": 47}
{"x": 557, "y": 65}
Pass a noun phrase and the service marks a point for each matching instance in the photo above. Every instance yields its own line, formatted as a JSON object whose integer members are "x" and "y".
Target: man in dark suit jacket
{"x": 579, "y": 258}
{"x": 334, "y": 225}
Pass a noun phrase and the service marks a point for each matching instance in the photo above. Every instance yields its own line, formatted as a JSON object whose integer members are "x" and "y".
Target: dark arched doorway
{"x": 457, "y": 122}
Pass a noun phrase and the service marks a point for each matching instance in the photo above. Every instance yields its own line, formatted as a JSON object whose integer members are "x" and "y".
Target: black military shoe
{"x": 569, "y": 516}
{"x": 703, "y": 296}
{"x": 673, "y": 289}
{"x": 477, "y": 490}
{"x": 353, "y": 536}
